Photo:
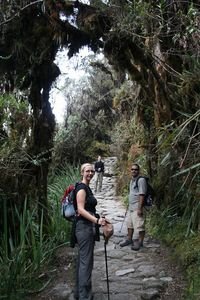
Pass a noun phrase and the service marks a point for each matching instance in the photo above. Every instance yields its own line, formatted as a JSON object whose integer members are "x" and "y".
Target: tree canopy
{"x": 146, "y": 96}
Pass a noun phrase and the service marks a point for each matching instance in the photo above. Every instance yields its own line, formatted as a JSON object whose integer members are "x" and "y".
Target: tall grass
{"x": 173, "y": 230}
{"x": 58, "y": 183}
{"x": 21, "y": 262}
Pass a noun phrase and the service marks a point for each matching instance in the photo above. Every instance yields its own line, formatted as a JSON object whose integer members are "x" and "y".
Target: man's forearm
{"x": 141, "y": 202}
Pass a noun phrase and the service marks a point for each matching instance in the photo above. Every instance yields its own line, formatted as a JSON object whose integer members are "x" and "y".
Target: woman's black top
{"x": 91, "y": 201}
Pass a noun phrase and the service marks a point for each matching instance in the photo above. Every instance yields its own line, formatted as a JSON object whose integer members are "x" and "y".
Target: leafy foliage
{"x": 172, "y": 229}
{"x": 22, "y": 263}
{"x": 14, "y": 123}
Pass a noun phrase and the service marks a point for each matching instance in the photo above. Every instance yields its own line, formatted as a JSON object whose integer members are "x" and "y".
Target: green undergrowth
{"x": 23, "y": 260}
{"x": 173, "y": 231}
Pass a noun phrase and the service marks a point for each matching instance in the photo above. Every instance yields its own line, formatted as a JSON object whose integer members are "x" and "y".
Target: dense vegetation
{"x": 140, "y": 103}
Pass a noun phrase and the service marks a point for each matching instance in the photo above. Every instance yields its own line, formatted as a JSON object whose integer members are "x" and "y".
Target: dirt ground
{"x": 176, "y": 289}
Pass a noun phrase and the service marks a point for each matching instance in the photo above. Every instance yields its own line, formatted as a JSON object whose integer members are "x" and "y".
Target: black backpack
{"x": 149, "y": 196}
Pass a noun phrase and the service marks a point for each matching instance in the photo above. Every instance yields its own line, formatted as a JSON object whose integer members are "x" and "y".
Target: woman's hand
{"x": 102, "y": 221}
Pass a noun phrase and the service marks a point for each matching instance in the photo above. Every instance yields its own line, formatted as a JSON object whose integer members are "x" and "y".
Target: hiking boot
{"x": 126, "y": 243}
{"x": 136, "y": 245}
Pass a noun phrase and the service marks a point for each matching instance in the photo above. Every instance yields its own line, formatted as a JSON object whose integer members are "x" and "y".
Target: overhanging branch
{"x": 21, "y": 9}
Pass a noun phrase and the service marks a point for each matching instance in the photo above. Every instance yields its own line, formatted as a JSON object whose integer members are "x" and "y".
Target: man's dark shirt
{"x": 99, "y": 166}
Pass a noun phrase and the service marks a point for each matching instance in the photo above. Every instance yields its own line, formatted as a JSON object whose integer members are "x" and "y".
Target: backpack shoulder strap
{"x": 76, "y": 184}
{"x": 75, "y": 192}
{"x": 136, "y": 183}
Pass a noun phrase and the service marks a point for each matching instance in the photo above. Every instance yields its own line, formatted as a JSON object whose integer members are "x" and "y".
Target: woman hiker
{"x": 86, "y": 227}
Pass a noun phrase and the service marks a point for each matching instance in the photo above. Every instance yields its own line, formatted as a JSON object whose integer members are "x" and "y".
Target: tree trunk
{"x": 42, "y": 133}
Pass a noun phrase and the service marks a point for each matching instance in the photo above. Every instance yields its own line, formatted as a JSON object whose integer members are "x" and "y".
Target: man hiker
{"x": 99, "y": 170}
{"x": 136, "y": 220}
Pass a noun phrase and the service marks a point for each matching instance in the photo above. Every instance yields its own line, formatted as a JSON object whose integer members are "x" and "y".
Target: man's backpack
{"x": 68, "y": 204}
{"x": 149, "y": 196}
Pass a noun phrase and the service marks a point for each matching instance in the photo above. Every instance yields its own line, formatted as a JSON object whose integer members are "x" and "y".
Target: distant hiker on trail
{"x": 99, "y": 170}
{"x": 87, "y": 226}
{"x": 136, "y": 219}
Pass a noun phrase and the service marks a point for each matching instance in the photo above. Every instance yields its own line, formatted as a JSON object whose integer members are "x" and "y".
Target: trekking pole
{"x": 106, "y": 261}
{"x": 123, "y": 220}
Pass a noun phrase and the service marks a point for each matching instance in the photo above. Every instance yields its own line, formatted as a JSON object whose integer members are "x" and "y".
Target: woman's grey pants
{"x": 85, "y": 240}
